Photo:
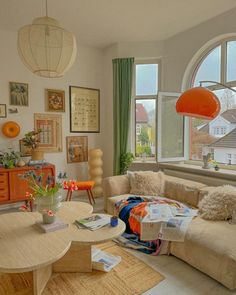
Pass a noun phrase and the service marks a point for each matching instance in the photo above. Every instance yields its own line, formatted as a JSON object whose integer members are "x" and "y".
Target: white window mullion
{"x": 223, "y": 62}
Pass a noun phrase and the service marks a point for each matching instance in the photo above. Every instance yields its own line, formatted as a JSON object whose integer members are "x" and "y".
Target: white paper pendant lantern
{"x": 45, "y": 48}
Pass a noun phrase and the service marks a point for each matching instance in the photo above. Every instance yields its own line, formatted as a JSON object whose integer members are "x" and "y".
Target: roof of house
{"x": 141, "y": 113}
{"x": 229, "y": 115}
{"x": 205, "y": 128}
{"x": 227, "y": 141}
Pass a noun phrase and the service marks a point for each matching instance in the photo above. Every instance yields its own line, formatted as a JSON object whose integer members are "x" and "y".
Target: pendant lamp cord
{"x": 214, "y": 82}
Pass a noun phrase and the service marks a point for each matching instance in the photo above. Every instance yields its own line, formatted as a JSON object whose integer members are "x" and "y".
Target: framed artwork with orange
{"x": 55, "y": 100}
{"x": 77, "y": 149}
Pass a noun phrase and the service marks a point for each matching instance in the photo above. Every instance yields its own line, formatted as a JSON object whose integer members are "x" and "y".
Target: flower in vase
{"x": 48, "y": 212}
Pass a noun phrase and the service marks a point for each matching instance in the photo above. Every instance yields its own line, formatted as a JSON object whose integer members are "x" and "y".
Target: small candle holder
{"x": 114, "y": 221}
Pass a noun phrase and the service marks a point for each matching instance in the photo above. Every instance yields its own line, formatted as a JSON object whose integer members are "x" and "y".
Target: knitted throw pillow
{"x": 219, "y": 204}
{"x": 147, "y": 183}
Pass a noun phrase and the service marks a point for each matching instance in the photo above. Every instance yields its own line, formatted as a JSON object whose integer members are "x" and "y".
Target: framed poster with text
{"x": 84, "y": 110}
{"x": 51, "y": 135}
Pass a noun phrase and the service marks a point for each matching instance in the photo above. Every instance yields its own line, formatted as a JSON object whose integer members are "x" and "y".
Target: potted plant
{"x": 45, "y": 191}
{"x": 125, "y": 161}
{"x": 214, "y": 164}
{"x": 9, "y": 159}
{"x": 32, "y": 141}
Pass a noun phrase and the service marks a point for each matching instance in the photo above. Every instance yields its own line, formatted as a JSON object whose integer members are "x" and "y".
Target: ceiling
{"x": 100, "y": 23}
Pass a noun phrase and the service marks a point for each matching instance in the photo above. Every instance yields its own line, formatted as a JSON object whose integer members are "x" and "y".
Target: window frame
{"x": 223, "y": 78}
{"x": 162, "y": 95}
{"x": 144, "y": 97}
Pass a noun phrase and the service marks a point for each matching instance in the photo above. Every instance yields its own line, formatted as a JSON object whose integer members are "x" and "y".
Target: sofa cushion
{"x": 147, "y": 183}
{"x": 210, "y": 246}
{"x": 182, "y": 190}
{"x": 219, "y": 204}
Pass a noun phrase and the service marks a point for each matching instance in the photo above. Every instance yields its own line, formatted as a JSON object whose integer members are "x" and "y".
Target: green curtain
{"x": 122, "y": 88}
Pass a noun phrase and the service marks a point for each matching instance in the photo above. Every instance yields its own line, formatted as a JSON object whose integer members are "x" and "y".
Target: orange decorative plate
{"x": 10, "y": 129}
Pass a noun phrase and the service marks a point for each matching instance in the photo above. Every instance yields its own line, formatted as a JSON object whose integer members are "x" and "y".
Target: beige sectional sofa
{"x": 209, "y": 246}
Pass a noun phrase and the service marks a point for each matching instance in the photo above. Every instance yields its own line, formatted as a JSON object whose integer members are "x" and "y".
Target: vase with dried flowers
{"x": 44, "y": 192}
{"x": 31, "y": 140}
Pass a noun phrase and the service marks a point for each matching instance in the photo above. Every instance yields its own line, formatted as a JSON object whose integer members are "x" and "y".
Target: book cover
{"x": 56, "y": 225}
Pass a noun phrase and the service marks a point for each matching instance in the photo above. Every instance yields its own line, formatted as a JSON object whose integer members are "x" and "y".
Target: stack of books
{"x": 56, "y": 225}
{"x": 93, "y": 222}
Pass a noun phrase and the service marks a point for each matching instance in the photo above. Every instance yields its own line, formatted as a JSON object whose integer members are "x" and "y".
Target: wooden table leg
{"x": 26, "y": 283}
{"x": 40, "y": 278}
{"x": 77, "y": 259}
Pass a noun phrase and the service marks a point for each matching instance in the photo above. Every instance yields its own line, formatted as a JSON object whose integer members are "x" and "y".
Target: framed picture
{"x": 84, "y": 109}
{"x": 3, "y": 110}
{"x": 77, "y": 149}
{"x": 55, "y": 100}
{"x": 51, "y": 135}
{"x": 25, "y": 151}
{"x": 19, "y": 94}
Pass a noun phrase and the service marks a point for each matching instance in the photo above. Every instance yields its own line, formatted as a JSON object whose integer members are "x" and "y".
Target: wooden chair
{"x": 83, "y": 186}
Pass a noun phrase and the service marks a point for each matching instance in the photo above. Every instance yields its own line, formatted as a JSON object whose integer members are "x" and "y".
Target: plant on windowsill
{"x": 125, "y": 161}
{"x": 214, "y": 164}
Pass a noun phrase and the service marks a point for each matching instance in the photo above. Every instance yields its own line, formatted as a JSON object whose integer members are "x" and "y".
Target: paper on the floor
{"x": 104, "y": 261}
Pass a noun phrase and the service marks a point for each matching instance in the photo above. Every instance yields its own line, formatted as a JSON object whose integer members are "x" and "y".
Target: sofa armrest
{"x": 113, "y": 186}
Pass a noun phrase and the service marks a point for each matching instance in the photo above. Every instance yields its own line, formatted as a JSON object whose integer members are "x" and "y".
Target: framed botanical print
{"x": 84, "y": 110}
{"x": 19, "y": 94}
{"x": 51, "y": 135}
{"x": 77, "y": 149}
{"x": 3, "y": 111}
{"x": 55, "y": 100}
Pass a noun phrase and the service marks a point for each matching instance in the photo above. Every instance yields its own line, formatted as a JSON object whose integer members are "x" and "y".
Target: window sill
{"x": 196, "y": 171}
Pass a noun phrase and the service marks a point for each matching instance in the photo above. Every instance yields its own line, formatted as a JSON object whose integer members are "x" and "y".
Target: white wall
{"x": 86, "y": 72}
{"x": 221, "y": 155}
{"x": 177, "y": 54}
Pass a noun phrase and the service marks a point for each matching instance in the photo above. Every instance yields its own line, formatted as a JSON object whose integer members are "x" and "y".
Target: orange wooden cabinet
{"x": 13, "y": 188}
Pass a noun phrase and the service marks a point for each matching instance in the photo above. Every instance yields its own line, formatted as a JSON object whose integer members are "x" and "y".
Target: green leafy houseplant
{"x": 125, "y": 161}
{"x": 9, "y": 159}
{"x": 31, "y": 139}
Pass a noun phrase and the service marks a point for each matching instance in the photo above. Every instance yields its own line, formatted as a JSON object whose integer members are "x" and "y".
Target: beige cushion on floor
{"x": 210, "y": 246}
{"x": 182, "y": 190}
{"x": 147, "y": 183}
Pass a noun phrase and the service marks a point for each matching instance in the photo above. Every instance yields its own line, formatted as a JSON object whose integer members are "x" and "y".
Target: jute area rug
{"x": 130, "y": 277}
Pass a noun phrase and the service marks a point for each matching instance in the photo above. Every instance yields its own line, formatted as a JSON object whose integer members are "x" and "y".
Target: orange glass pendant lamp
{"x": 198, "y": 102}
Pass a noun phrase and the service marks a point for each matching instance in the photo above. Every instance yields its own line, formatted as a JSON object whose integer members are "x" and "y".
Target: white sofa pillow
{"x": 219, "y": 204}
{"x": 147, "y": 183}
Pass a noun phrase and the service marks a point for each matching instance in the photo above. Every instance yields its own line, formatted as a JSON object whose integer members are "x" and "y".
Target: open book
{"x": 104, "y": 261}
{"x": 93, "y": 222}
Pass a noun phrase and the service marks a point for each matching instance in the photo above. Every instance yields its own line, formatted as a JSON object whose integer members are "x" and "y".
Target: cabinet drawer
{"x": 4, "y": 195}
{"x": 3, "y": 178}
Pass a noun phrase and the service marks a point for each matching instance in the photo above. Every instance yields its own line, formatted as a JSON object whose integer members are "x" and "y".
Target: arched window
{"x": 217, "y": 136}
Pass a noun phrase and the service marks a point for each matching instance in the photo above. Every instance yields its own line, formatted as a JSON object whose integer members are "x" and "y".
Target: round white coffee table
{"x": 23, "y": 248}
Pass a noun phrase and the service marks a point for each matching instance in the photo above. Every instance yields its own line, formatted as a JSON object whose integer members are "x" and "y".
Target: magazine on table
{"x": 104, "y": 261}
{"x": 93, "y": 222}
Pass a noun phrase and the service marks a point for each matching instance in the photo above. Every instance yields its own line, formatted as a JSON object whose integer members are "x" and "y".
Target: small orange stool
{"x": 83, "y": 186}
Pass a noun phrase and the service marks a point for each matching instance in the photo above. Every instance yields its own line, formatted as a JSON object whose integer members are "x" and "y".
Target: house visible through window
{"x": 217, "y": 136}
{"x": 146, "y": 88}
